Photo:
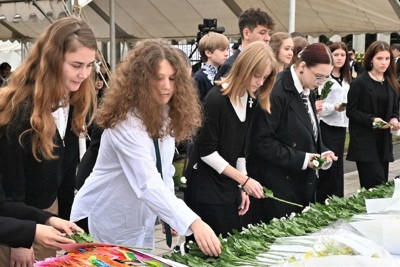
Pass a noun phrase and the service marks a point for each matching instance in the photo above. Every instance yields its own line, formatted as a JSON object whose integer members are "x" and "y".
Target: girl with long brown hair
{"x": 42, "y": 115}
{"x": 373, "y": 97}
{"x": 151, "y": 103}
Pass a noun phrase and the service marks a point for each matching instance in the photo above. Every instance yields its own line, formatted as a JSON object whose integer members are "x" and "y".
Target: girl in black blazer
{"x": 373, "y": 97}
{"x": 217, "y": 163}
{"x": 42, "y": 115}
{"x": 282, "y": 142}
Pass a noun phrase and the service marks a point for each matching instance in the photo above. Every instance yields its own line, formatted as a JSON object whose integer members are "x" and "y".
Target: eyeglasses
{"x": 319, "y": 77}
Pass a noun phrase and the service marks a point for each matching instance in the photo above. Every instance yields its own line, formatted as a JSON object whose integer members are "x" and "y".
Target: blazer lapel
{"x": 297, "y": 102}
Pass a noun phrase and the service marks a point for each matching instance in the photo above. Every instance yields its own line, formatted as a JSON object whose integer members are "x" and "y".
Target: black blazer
{"x": 18, "y": 222}
{"x": 37, "y": 183}
{"x": 361, "y": 108}
{"x": 226, "y": 67}
{"x": 278, "y": 142}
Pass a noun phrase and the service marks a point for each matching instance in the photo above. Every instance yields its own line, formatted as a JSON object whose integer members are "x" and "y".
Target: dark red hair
{"x": 315, "y": 54}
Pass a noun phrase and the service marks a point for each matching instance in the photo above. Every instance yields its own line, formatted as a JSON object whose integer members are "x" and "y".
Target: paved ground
{"x": 351, "y": 185}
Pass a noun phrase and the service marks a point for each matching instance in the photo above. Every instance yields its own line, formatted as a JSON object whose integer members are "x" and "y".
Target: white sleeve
{"x": 327, "y": 109}
{"x": 241, "y": 165}
{"x": 136, "y": 154}
{"x": 215, "y": 161}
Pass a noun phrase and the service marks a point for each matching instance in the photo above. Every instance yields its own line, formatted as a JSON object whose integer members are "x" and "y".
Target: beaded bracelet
{"x": 241, "y": 186}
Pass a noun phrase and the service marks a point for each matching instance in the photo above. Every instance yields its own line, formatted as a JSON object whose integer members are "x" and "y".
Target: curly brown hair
{"x": 36, "y": 84}
{"x": 131, "y": 90}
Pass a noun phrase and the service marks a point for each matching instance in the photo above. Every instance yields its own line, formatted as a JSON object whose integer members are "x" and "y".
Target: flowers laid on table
{"x": 244, "y": 248}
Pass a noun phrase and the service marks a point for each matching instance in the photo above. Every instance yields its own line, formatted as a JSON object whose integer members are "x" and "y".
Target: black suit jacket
{"x": 18, "y": 222}
{"x": 37, "y": 183}
{"x": 361, "y": 108}
{"x": 277, "y": 146}
{"x": 226, "y": 67}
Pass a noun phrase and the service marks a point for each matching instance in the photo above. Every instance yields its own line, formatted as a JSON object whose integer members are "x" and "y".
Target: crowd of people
{"x": 260, "y": 118}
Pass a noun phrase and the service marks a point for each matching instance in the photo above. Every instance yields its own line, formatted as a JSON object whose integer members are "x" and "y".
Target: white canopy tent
{"x": 10, "y": 52}
{"x": 24, "y": 20}
{"x": 179, "y": 19}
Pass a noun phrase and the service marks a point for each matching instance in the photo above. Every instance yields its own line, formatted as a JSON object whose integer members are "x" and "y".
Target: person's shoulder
{"x": 214, "y": 96}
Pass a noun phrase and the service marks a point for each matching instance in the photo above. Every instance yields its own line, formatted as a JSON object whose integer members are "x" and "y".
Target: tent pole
{"x": 292, "y": 15}
{"x": 112, "y": 35}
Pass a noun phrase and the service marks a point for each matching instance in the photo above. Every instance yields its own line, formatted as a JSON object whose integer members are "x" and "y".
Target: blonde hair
{"x": 252, "y": 61}
{"x": 211, "y": 42}
{"x": 132, "y": 86}
{"x": 38, "y": 87}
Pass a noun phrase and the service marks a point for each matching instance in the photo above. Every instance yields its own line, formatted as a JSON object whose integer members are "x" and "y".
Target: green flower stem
{"x": 269, "y": 194}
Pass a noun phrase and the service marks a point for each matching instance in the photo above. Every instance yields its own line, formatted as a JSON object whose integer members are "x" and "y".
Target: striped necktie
{"x": 314, "y": 125}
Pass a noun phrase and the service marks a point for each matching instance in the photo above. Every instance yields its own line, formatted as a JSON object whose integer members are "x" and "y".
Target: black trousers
{"x": 372, "y": 173}
{"x": 221, "y": 218}
{"x": 331, "y": 181}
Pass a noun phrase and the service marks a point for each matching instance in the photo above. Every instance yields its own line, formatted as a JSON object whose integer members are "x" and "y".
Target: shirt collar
{"x": 297, "y": 83}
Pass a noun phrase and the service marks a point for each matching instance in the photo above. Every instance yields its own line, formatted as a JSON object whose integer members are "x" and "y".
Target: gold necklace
{"x": 374, "y": 77}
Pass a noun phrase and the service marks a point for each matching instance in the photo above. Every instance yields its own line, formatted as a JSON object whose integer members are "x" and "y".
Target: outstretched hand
{"x": 63, "y": 225}
{"x": 50, "y": 237}
{"x": 205, "y": 238}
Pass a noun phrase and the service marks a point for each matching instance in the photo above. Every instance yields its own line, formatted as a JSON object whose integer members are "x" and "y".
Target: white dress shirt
{"x": 124, "y": 194}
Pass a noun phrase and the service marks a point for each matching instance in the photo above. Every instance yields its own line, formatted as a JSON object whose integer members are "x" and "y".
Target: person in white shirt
{"x": 151, "y": 101}
{"x": 333, "y": 122}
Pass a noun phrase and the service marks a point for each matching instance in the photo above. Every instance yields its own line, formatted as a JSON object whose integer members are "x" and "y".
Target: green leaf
{"x": 326, "y": 89}
{"x": 81, "y": 237}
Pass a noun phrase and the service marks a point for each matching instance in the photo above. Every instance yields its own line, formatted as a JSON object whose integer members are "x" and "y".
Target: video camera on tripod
{"x": 209, "y": 25}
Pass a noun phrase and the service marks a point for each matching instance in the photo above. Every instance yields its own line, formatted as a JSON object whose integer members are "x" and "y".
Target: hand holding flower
{"x": 253, "y": 188}
{"x": 339, "y": 107}
{"x": 380, "y": 124}
{"x": 318, "y": 105}
{"x": 310, "y": 160}
{"x": 324, "y": 162}
{"x": 394, "y": 124}
{"x": 63, "y": 225}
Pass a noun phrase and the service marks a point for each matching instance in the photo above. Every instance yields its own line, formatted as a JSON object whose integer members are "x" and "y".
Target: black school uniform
{"x": 37, "y": 183}
{"x": 213, "y": 196}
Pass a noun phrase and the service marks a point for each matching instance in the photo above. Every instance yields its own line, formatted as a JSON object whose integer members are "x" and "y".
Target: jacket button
{"x": 294, "y": 144}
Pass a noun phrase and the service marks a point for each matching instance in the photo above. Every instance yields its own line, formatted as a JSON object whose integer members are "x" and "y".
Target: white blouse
{"x": 338, "y": 94}
{"x": 124, "y": 194}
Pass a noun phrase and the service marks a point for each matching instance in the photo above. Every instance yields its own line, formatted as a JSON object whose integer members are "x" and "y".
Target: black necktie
{"x": 167, "y": 228}
{"x": 313, "y": 123}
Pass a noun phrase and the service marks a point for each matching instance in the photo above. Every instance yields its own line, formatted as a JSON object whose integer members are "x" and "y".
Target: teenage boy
{"x": 254, "y": 25}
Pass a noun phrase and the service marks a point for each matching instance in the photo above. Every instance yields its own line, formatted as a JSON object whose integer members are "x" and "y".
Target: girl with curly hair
{"x": 151, "y": 103}
{"x": 42, "y": 115}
